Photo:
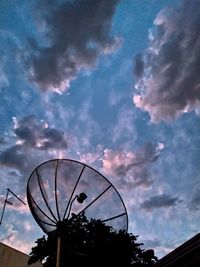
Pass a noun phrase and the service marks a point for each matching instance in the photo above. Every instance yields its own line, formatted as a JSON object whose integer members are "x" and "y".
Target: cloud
{"x": 132, "y": 166}
{"x": 31, "y": 135}
{"x": 159, "y": 201}
{"x": 13, "y": 157}
{"x": 170, "y": 82}
{"x": 38, "y": 134}
{"x": 9, "y": 237}
{"x": 13, "y": 239}
{"x": 28, "y": 226}
{"x": 76, "y": 33}
{"x": 89, "y": 157}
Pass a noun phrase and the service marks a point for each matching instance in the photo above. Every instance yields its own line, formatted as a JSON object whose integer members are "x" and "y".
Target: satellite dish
{"x": 61, "y": 188}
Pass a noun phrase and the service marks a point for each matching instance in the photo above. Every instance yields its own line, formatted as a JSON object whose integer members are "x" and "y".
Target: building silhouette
{"x": 186, "y": 255}
{"x": 10, "y": 257}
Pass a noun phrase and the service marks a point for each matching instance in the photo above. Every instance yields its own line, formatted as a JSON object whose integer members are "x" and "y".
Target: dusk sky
{"x": 113, "y": 84}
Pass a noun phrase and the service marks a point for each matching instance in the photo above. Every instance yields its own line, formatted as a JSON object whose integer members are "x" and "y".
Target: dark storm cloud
{"x": 13, "y": 157}
{"x": 159, "y": 201}
{"x": 38, "y": 135}
{"x": 77, "y": 32}
{"x": 132, "y": 166}
{"x": 170, "y": 84}
{"x": 31, "y": 136}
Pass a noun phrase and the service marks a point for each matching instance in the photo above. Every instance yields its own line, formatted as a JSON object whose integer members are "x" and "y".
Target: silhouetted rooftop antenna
{"x": 54, "y": 186}
{"x": 6, "y": 201}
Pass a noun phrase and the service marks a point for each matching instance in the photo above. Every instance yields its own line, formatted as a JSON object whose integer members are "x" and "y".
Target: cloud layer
{"x": 169, "y": 84}
{"x": 159, "y": 201}
{"x": 77, "y": 32}
{"x": 31, "y": 134}
{"x": 132, "y": 167}
{"x": 38, "y": 134}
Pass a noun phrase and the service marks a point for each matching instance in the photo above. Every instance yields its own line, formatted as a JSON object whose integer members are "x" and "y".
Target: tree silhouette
{"x": 90, "y": 243}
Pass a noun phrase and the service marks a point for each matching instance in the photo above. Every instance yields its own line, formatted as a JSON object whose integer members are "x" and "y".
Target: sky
{"x": 113, "y": 84}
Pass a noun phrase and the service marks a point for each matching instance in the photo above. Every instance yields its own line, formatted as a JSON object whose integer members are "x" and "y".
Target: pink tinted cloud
{"x": 130, "y": 167}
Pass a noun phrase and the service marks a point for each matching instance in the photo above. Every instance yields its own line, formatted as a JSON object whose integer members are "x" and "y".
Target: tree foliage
{"x": 90, "y": 243}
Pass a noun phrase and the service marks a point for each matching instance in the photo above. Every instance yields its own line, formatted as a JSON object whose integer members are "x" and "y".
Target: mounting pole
{"x": 16, "y": 196}
{"x": 6, "y": 201}
{"x": 4, "y": 206}
{"x": 58, "y": 251}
